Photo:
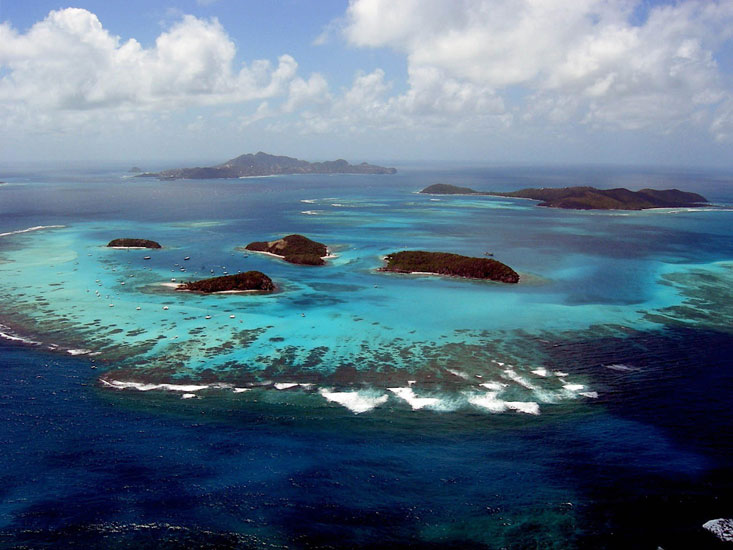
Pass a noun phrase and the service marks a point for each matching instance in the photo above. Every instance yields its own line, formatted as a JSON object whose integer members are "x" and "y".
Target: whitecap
{"x": 573, "y": 387}
{"x": 308, "y": 201}
{"x": 285, "y": 385}
{"x": 514, "y": 377}
{"x": 241, "y": 390}
{"x": 141, "y": 386}
{"x": 356, "y": 402}
{"x": 6, "y": 333}
{"x": 560, "y": 374}
{"x": 540, "y": 372}
{"x": 29, "y": 229}
{"x": 721, "y": 528}
{"x": 188, "y": 396}
{"x": 408, "y": 394}
{"x": 589, "y": 394}
{"x": 487, "y": 401}
{"x": 527, "y": 407}
{"x": 496, "y": 386}
{"x": 78, "y": 351}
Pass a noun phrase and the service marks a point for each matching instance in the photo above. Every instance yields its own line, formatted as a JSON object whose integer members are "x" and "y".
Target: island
{"x": 445, "y": 263}
{"x": 133, "y": 243}
{"x": 250, "y": 281}
{"x": 135, "y": 170}
{"x": 447, "y": 189}
{"x": 264, "y": 164}
{"x": 587, "y": 198}
{"x": 295, "y": 249}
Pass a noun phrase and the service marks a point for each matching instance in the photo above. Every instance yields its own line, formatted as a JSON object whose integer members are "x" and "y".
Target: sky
{"x": 639, "y": 82}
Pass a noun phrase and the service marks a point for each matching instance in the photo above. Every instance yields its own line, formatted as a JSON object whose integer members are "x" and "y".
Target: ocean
{"x": 586, "y": 407}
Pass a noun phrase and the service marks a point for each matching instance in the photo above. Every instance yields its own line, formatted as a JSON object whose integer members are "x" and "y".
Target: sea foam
{"x": 29, "y": 229}
{"x": 8, "y": 334}
{"x": 721, "y": 528}
{"x": 408, "y": 394}
{"x": 492, "y": 403}
{"x": 356, "y": 402}
{"x": 141, "y": 386}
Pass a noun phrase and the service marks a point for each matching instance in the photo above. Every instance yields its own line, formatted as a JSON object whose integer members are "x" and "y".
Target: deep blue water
{"x": 643, "y": 465}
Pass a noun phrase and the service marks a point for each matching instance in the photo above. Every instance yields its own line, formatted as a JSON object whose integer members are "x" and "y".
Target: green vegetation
{"x": 295, "y": 249}
{"x": 444, "y": 263}
{"x": 133, "y": 243}
{"x": 587, "y": 198}
{"x": 250, "y": 280}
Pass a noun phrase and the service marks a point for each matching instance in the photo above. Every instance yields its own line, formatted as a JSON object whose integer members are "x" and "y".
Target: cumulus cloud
{"x": 70, "y": 63}
{"x": 472, "y": 66}
{"x": 589, "y": 61}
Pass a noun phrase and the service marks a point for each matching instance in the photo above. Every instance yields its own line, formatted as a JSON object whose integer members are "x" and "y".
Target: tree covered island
{"x": 239, "y": 282}
{"x": 295, "y": 249}
{"x": 133, "y": 243}
{"x": 587, "y": 198}
{"x": 445, "y": 263}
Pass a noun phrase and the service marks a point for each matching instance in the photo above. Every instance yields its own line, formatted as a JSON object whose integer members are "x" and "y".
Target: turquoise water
{"x": 605, "y": 303}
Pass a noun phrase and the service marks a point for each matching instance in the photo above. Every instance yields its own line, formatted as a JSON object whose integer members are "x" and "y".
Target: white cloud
{"x": 579, "y": 60}
{"x": 70, "y": 63}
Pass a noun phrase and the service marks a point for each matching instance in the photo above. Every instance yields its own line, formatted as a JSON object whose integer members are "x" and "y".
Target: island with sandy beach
{"x": 295, "y": 249}
{"x": 133, "y": 243}
{"x": 249, "y": 281}
{"x": 447, "y": 264}
{"x": 586, "y": 198}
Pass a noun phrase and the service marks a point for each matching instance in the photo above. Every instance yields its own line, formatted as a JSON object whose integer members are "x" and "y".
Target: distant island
{"x": 295, "y": 249}
{"x": 454, "y": 265}
{"x": 135, "y": 170}
{"x": 264, "y": 164}
{"x": 133, "y": 243}
{"x": 239, "y": 282}
{"x": 587, "y": 198}
{"x": 447, "y": 189}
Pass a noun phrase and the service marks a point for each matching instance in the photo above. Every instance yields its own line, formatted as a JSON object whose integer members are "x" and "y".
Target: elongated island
{"x": 250, "y": 281}
{"x": 453, "y": 265}
{"x": 264, "y": 164}
{"x": 295, "y": 249}
{"x": 586, "y": 198}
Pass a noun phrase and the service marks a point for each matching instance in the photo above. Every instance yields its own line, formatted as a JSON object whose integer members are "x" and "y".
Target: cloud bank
{"x": 473, "y": 66}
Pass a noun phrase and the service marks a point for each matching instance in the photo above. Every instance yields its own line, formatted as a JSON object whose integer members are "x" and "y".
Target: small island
{"x": 264, "y": 164}
{"x": 133, "y": 243}
{"x": 250, "y": 281}
{"x": 295, "y": 249}
{"x": 448, "y": 189}
{"x": 454, "y": 265}
{"x": 587, "y": 198}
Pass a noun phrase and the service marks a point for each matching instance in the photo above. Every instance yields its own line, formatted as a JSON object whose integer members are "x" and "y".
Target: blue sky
{"x": 561, "y": 81}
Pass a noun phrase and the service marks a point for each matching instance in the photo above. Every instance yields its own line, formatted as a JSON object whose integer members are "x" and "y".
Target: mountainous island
{"x": 133, "y": 243}
{"x": 587, "y": 198}
{"x": 295, "y": 249}
{"x": 454, "y": 265}
{"x": 239, "y": 282}
{"x": 264, "y": 164}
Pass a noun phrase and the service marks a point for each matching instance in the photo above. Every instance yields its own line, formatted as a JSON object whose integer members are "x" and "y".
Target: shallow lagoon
{"x": 431, "y": 379}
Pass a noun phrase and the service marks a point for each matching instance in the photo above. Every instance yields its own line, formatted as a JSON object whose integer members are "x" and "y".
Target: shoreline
{"x": 329, "y": 256}
{"x": 433, "y": 274}
{"x": 177, "y": 288}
